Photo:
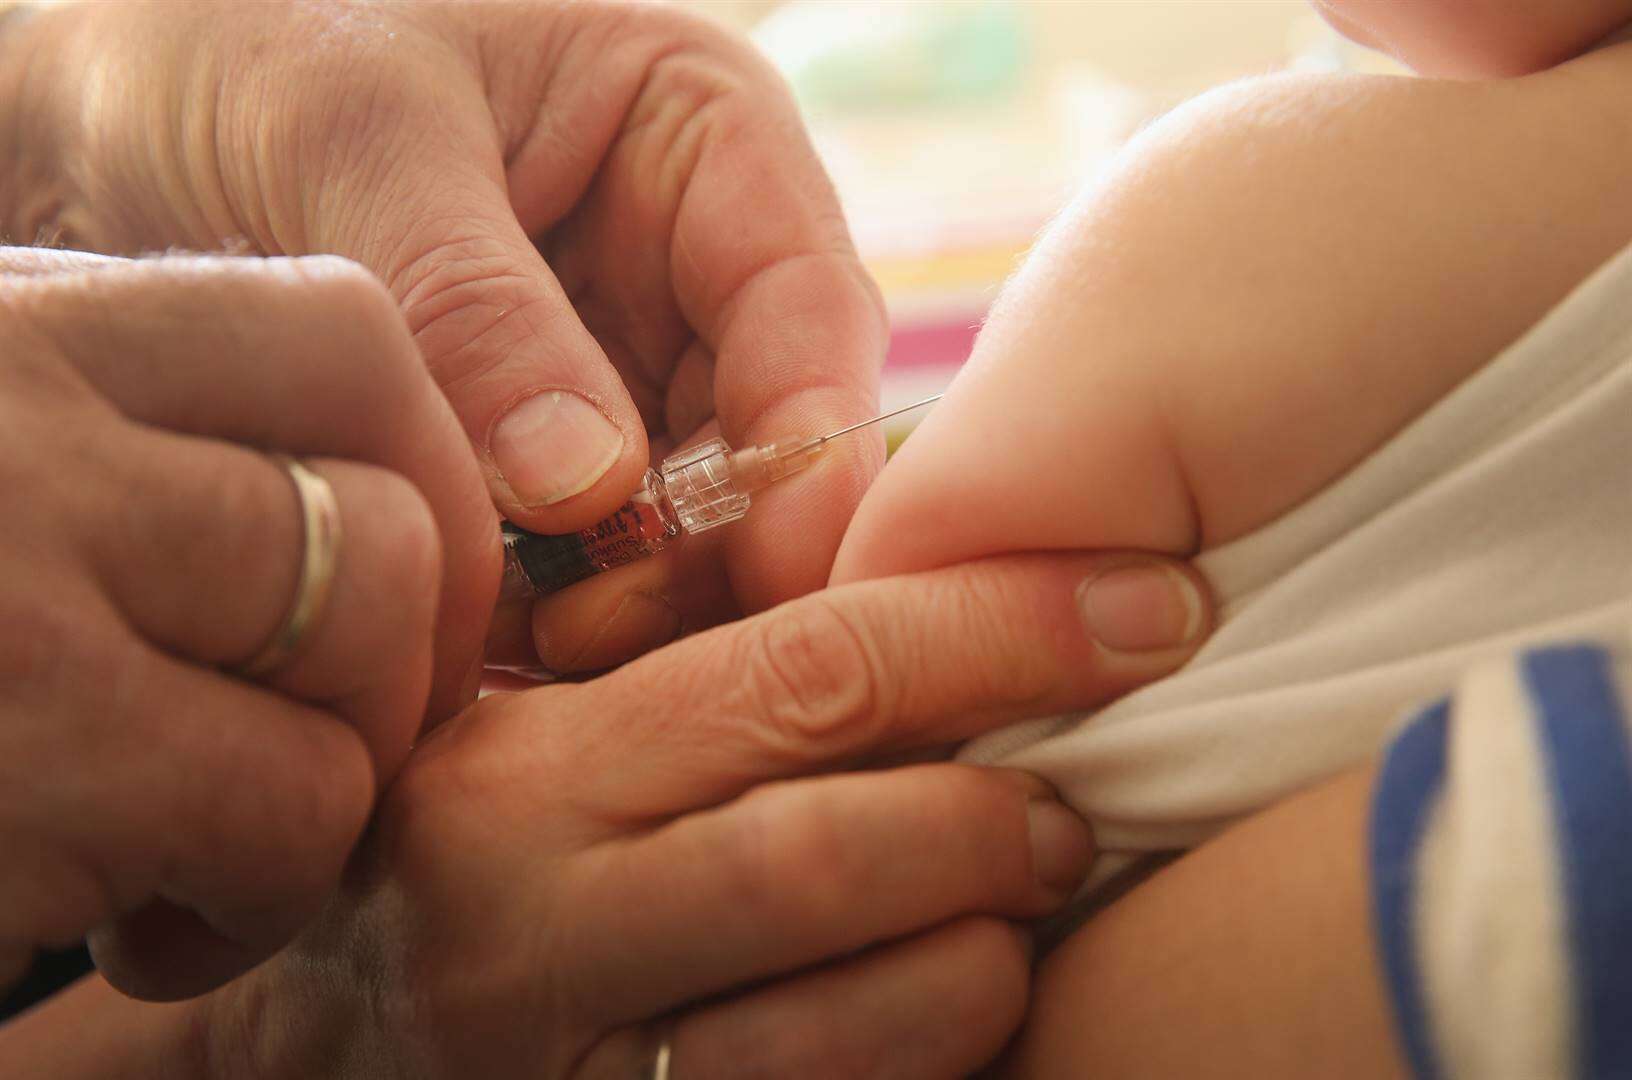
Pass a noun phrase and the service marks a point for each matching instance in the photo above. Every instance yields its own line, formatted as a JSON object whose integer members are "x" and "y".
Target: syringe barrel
{"x": 535, "y": 564}
{"x": 699, "y": 488}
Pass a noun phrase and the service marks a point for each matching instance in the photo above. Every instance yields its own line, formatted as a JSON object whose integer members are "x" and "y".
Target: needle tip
{"x": 882, "y": 416}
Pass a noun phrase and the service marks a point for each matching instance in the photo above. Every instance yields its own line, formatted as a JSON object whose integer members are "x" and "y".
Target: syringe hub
{"x": 710, "y": 484}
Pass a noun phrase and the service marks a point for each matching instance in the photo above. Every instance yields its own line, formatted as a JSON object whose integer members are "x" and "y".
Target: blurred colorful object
{"x": 847, "y": 56}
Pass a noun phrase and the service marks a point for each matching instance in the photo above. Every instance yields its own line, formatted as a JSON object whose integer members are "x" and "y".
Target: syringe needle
{"x": 754, "y": 467}
{"x": 698, "y": 489}
{"x": 876, "y": 419}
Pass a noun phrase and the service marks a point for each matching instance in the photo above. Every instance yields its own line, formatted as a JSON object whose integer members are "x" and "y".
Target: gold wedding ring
{"x": 320, "y": 515}
{"x": 657, "y": 1043}
{"x": 660, "y": 1060}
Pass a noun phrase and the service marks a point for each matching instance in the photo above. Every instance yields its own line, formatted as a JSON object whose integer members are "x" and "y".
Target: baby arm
{"x": 1194, "y": 975}
{"x": 1270, "y": 283}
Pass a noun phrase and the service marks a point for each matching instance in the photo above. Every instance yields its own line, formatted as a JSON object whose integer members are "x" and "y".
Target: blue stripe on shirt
{"x": 1583, "y": 729}
{"x": 1407, "y": 786}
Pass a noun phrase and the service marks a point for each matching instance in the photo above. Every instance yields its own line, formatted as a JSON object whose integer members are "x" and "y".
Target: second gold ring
{"x": 320, "y": 517}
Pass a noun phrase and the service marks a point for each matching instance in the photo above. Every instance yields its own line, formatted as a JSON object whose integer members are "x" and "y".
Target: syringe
{"x": 695, "y": 489}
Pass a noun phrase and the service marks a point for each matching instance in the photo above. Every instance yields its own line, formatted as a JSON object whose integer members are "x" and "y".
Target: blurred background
{"x": 955, "y": 129}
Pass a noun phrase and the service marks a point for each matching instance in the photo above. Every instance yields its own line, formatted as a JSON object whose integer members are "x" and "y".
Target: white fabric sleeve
{"x": 1498, "y": 520}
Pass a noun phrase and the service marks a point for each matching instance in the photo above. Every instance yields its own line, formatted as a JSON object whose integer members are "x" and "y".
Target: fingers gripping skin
{"x": 804, "y": 869}
{"x": 883, "y": 665}
{"x": 816, "y": 868}
{"x": 601, "y": 864}
{"x": 487, "y": 837}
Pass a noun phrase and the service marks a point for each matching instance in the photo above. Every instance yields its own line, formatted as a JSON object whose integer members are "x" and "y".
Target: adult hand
{"x": 190, "y": 819}
{"x": 603, "y": 223}
{"x": 555, "y": 872}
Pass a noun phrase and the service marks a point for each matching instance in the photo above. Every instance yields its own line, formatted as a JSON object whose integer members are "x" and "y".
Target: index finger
{"x": 764, "y": 270}
{"x": 878, "y": 666}
{"x": 790, "y": 334}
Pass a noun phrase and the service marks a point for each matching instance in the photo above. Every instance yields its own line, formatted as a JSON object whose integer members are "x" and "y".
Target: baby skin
{"x": 1265, "y": 287}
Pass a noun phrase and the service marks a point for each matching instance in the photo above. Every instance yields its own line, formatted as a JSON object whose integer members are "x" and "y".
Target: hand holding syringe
{"x": 696, "y": 489}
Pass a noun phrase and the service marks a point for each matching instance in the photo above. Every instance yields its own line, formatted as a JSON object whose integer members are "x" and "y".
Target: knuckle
{"x": 662, "y": 30}
{"x": 359, "y": 322}
{"x": 469, "y": 302}
{"x": 680, "y": 27}
{"x": 985, "y": 821}
{"x": 42, "y": 322}
{"x": 733, "y": 61}
{"x": 335, "y": 279}
{"x": 971, "y": 792}
{"x": 416, "y": 544}
{"x": 331, "y": 804}
{"x": 346, "y": 294}
{"x": 988, "y": 817}
{"x": 792, "y": 857}
{"x": 402, "y": 549}
{"x": 55, "y": 482}
{"x": 811, "y": 680}
{"x": 980, "y": 614}
{"x": 686, "y": 79}
{"x": 255, "y": 511}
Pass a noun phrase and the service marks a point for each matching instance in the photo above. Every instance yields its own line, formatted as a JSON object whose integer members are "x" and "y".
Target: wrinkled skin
{"x": 190, "y": 819}
{"x": 613, "y": 200}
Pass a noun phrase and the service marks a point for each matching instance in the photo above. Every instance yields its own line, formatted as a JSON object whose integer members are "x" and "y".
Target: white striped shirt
{"x": 1501, "y": 859}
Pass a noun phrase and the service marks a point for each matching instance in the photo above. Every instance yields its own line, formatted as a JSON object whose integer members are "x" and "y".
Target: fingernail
{"x": 553, "y": 445}
{"x": 1062, "y": 848}
{"x": 1141, "y": 608}
{"x": 1033, "y": 785}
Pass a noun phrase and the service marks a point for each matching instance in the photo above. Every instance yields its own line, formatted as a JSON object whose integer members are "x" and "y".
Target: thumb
{"x": 558, "y": 438}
